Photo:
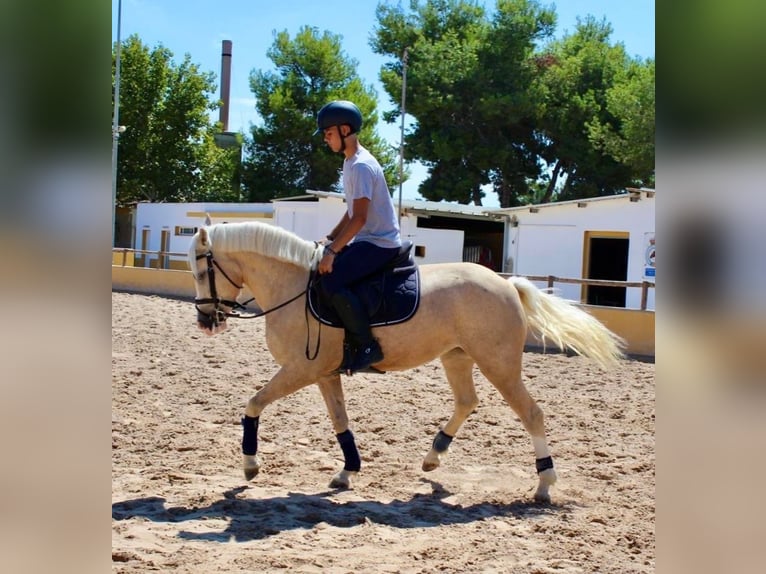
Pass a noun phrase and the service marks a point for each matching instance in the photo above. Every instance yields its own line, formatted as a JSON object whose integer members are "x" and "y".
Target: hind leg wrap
{"x": 546, "y": 478}
{"x": 442, "y": 441}
{"x": 439, "y": 446}
{"x": 542, "y": 464}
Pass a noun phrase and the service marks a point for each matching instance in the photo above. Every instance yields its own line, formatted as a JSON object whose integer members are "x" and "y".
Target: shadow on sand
{"x": 257, "y": 519}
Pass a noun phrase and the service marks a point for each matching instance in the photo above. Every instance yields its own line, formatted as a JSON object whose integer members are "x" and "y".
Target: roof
{"x": 422, "y": 207}
{"x": 427, "y": 208}
{"x": 633, "y": 194}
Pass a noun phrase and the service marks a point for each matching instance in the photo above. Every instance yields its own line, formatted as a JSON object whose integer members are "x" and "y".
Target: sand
{"x": 180, "y": 502}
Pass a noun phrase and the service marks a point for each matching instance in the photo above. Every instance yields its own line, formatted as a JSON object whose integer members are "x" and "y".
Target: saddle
{"x": 390, "y": 296}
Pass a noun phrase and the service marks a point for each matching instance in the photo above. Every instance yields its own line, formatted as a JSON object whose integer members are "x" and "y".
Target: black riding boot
{"x": 360, "y": 348}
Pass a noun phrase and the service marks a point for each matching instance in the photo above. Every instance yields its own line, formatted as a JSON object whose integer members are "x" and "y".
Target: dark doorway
{"x": 483, "y": 238}
{"x": 608, "y": 260}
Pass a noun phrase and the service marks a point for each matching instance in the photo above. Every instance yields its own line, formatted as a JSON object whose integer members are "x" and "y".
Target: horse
{"x": 467, "y": 315}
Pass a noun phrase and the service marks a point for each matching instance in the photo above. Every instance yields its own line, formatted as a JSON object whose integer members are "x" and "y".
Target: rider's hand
{"x": 325, "y": 265}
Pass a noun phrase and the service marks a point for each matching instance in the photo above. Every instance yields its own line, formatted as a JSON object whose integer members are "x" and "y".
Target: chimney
{"x": 225, "y": 83}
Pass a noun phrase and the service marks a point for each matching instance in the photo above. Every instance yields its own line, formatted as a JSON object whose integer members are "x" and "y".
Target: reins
{"x": 218, "y": 313}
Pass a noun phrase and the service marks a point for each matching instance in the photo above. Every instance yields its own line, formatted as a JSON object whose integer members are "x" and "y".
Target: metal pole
{"x": 116, "y": 119}
{"x": 401, "y": 145}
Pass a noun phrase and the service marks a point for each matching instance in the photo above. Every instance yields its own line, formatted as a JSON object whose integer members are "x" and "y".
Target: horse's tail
{"x": 568, "y": 326}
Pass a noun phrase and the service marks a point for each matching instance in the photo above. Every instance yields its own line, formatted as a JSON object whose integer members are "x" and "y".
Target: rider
{"x": 364, "y": 240}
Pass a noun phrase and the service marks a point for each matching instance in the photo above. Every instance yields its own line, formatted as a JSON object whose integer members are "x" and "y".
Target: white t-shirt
{"x": 363, "y": 178}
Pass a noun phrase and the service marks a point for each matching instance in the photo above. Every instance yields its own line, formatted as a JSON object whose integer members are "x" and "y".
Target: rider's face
{"x": 332, "y": 138}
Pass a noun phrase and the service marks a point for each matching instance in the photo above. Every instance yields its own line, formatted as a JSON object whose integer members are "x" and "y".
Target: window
{"x": 185, "y": 231}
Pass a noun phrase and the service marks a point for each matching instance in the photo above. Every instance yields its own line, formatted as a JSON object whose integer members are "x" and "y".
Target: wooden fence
{"x": 552, "y": 279}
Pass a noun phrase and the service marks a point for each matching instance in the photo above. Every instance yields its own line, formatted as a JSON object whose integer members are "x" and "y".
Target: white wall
{"x": 313, "y": 220}
{"x": 158, "y": 216}
{"x": 440, "y": 245}
{"x": 552, "y": 241}
{"x": 547, "y": 249}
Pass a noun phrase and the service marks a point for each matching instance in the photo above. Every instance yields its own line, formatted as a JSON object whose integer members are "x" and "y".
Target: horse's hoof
{"x": 342, "y": 479}
{"x": 251, "y": 466}
{"x": 251, "y": 473}
{"x": 431, "y": 461}
{"x": 542, "y": 498}
{"x": 338, "y": 482}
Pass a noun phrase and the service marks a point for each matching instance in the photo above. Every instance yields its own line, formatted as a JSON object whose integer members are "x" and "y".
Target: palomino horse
{"x": 467, "y": 316}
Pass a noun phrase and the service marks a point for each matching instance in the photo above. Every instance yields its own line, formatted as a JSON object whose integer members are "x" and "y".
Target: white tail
{"x": 567, "y": 325}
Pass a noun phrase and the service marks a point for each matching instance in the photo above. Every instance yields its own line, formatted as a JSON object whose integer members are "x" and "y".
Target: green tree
{"x": 283, "y": 158}
{"x": 168, "y": 150}
{"x": 630, "y": 139}
{"x": 576, "y": 75}
{"x": 470, "y": 87}
{"x": 221, "y": 179}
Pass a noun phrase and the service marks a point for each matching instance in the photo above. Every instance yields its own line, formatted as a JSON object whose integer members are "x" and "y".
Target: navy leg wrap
{"x": 543, "y": 464}
{"x": 249, "y": 435}
{"x": 350, "y": 453}
{"x": 442, "y": 441}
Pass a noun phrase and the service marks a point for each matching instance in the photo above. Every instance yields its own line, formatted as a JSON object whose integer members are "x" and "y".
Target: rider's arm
{"x": 337, "y": 229}
{"x": 352, "y": 225}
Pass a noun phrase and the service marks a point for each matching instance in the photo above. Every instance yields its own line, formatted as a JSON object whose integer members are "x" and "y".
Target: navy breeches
{"x": 355, "y": 261}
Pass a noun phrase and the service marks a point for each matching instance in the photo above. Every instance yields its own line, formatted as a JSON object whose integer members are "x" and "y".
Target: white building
{"x": 314, "y": 215}
{"x": 169, "y": 227}
{"x": 606, "y": 238}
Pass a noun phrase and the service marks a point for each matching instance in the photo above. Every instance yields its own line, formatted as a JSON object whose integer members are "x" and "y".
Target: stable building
{"x": 603, "y": 238}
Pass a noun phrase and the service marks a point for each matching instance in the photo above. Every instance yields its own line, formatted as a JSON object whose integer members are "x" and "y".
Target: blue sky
{"x": 198, "y": 27}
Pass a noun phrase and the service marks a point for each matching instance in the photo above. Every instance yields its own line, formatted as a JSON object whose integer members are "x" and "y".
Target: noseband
{"x": 219, "y": 314}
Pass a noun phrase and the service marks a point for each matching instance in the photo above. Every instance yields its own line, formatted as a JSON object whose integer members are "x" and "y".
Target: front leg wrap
{"x": 350, "y": 453}
{"x": 250, "y": 435}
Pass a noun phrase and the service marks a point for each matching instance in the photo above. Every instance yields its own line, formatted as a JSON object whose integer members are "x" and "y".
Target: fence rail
{"x": 161, "y": 255}
{"x": 549, "y": 279}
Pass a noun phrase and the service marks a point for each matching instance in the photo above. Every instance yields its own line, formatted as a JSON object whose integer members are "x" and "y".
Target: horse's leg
{"x": 332, "y": 393}
{"x": 283, "y": 383}
{"x": 505, "y": 375}
{"x": 459, "y": 369}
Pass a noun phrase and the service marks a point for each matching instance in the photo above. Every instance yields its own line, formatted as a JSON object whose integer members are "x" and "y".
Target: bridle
{"x": 219, "y": 313}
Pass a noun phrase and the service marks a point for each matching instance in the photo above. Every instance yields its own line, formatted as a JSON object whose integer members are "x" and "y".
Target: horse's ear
{"x": 204, "y": 240}
{"x": 208, "y": 221}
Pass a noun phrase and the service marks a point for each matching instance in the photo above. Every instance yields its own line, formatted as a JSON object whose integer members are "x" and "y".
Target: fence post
{"x": 644, "y": 294}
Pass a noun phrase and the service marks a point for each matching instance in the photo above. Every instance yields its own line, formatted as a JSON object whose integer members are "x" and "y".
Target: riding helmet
{"x": 337, "y": 113}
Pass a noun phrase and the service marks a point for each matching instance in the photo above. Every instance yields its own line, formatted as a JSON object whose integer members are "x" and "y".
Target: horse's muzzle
{"x": 211, "y": 324}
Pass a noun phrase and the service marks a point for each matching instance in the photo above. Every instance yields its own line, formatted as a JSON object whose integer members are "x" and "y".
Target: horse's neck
{"x": 271, "y": 281}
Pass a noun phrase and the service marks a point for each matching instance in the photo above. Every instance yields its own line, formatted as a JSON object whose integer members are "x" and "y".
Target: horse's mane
{"x": 266, "y": 239}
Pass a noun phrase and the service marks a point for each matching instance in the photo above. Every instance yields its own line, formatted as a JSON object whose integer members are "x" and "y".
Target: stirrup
{"x": 364, "y": 358}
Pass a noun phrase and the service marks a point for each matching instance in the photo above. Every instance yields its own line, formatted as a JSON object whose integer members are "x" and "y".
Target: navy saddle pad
{"x": 390, "y": 296}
